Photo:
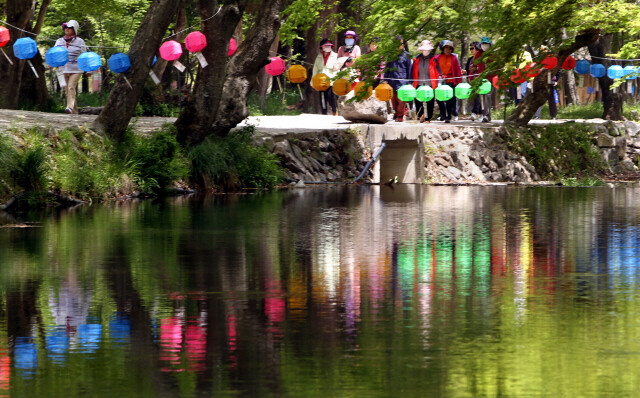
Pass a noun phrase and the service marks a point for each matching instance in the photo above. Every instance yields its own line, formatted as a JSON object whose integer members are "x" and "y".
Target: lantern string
{"x": 194, "y": 26}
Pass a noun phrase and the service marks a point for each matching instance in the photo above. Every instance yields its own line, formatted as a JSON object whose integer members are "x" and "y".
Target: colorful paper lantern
{"x": 233, "y": 46}
{"x": 276, "y": 67}
{"x": 615, "y": 72}
{"x": 56, "y": 56}
{"x": 297, "y": 74}
{"x": 195, "y": 42}
{"x": 463, "y": 91}
{"x": 5, "y": 36}
{"x": 582, "y": 67}
{"x": 119, "y": 63}
{"x": 531, "y": 70}
{"x": 341, "y": 87}
{"x": 630, "y": 72}
{"x": 406, "y": 93}
{"x": 485, "y": 87}
{"x": 25, "y": 48}
{"x": 89, "y": 61}
{"x": 518, "y": 77}
{"x": 597, "y": 70}
{"x": 170, "y": 50}
{"x": 360, "y": 93}
{"x": 320, "y": 82}
{"x": 569, "y": 63}
{"x": 384, "y": 92}
{"x": 424, "y": 93}
{"x": 494, "y": 81}
{"x": 550, "y": 62}
{"x": 444, "y": 93}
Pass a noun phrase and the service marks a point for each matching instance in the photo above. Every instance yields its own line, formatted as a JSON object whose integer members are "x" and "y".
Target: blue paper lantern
{"x": 582, "y": 67}
{"x": 597, "y": 70}
{"x": 89, "y": 61}
{"x": 615, "y": 72}
{"x": 119, "y": 62}
{"x": 57, "y": 56}
{"x": 630, "y": 72}
{"x": 25, "y": 48}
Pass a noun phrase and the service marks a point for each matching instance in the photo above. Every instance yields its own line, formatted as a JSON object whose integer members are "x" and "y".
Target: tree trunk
{"x": 181, "y": 24}
{"x": 570, "y": 88}
{"x": 114, "y": 118}
{"x": 611, "y": 102}
{"x": 41, "y": 15}
{"x": 264, "y": 80}
{"x": 525, "y": 110}
{"x": 18, "y": 13}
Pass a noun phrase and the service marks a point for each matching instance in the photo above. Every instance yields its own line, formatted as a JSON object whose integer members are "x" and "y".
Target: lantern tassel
{"x": 6, "y": 56}
{"x": 61, "y": 81}
{"x": 549, "y": 78}
{"x": 154, "y": 77}
{"x": 202, "y": 60}
{"x": 629, "y": 87}
{"x": 179, "y": 66}
{"x": 127, "y": 80}
{"x": 33, "y": 69}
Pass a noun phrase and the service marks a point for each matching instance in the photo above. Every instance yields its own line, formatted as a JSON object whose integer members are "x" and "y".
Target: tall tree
{"x": 121, "y": 104}
{"x": 612, "y": 100}
{"x": 18, "y": 13}
{"x": 219, "y": 100}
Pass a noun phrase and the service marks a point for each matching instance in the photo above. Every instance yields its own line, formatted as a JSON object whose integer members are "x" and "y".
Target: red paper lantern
{"x": 531, "y": 70}
{"x": 569, "y": 63}
{"x": 276, "y": 67}
{"x": 4, "y": 36}
{"x": 517, "y": 77}
{"x": 170, "y": 50}
{"x": 550, "y": 62}
{"x": 500, "y": 83}
{"x": 195, "y": 42}
{"x": 233, "y": 46}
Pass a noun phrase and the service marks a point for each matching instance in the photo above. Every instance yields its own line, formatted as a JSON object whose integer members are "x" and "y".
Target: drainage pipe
{"x": 370, "y": 162}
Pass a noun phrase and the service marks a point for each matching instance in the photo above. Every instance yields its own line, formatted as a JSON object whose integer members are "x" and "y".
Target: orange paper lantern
{"x": 320, "y": 82}
{"x": 384, "y": 92}
{"x": 360, "y": 91}
{"x": 341, "y": 87}
{"x": 297, "y": 74}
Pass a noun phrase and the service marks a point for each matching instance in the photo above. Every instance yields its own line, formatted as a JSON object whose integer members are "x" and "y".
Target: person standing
{"x": 327, "y": 62}
{"x": 397, "y": 74}
{"x": 476, "y": 105}
{"x": 479, "y": 67}
{"x": 452, "y": 74}
{"x": 72, "y": 73}
{"x": 350, "y": 48}
{"x": 425, "y": 73}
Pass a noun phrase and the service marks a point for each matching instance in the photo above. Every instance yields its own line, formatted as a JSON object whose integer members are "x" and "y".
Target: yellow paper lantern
{"x": 320, "y": 82}
{"x": 384, "y": 92}
{"x": 341, "y": 87}
{"x": 360, "y": 93}
{"x": 297, "y": 74}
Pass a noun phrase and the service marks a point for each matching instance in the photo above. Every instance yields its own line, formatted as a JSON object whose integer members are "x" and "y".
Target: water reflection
{"x": 369, "y": 290}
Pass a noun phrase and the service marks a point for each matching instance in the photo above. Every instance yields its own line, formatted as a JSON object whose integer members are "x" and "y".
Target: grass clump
{"x": 275, "y": 103}
{"x": 558, "y": 150}
{"x": 582, "y": 182}
{"x": 234, "y": 162}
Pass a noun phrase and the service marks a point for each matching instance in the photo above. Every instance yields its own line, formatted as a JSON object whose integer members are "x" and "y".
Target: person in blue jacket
{"x": 397, "y": 73}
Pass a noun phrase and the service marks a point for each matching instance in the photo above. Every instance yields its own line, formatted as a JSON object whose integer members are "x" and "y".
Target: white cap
{"x": 72, "y": 24}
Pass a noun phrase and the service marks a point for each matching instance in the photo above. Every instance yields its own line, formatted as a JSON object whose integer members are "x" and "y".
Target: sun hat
{"x": 72, "y": 24}
{"x": 352, "y": 33}
{"x": 485, "y": 40}
{"x": 326, "y": 42}
{"x": 425, "y": 45}
{"x": 448, "y": 43}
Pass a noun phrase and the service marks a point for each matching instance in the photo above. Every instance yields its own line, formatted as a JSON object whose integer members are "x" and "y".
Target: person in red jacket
{"x": 450, "y": 70}
{"x": 425, "y": 72}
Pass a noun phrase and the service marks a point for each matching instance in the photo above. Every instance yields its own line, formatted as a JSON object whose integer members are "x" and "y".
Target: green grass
{"x": 274, "y": 104}
{"x": 582, "y": 182}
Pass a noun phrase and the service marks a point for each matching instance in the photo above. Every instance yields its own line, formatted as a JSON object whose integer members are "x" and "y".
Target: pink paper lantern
{"x": 195, "y": 42}
{"x": 233, "y": 46}
{"x": 170, "y": 50}
{"x": 276, "y": 67}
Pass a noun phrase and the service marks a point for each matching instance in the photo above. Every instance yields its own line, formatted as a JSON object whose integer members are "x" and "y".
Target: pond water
{"x": 344, "y": 291}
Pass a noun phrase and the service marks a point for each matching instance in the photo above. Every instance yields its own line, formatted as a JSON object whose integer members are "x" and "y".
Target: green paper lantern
{"x": 485, "y": 87}
{"x": 424, "y": 94}
{"x": 444, "y": 93}
{"x": 463, "y": 91}
{"x": 406, "y": 93}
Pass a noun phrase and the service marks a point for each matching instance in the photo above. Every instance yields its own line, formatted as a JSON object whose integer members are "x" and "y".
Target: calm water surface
{"x": 347, "y": 291}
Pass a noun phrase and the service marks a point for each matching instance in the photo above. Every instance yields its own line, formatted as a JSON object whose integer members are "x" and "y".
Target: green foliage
{"x": 29, "y": 165}
{"x": 274, "y": 104}
{"x": 156, "y": 162}
{"x": 582, "y": 182}
{"x": 557, "y": 150}
{"x": 235, "y": 162}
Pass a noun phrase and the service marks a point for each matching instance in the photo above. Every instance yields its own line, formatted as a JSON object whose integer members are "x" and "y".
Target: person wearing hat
{"x": 425, "y": 73}
{"x": 75, "y": 46}
{"x": 327, "y": 63}
{"x": 451, "y": 73}
{"x": 397, "y": 73}
{"x": 475, "y": 101}
{"x": 479, "y": 67}
{"x": 350, "y": 48}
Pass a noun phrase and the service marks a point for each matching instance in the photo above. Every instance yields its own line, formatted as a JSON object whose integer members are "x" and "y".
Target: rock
{"x": 631, "y": 128}
{"x": 634, "y": 115}
{"x": 369, "y": 111}
{"x": 628, "y": 165}
{"x": 604, "y": 140}
{"x": 299, "y": 184}
{"x": 621, "y": 147}
{"x": 610, "y": 155}
{"x": 454, "y": 172}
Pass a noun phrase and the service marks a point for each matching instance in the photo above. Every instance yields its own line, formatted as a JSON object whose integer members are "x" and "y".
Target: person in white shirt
{"x": 327, "y": 63}
{"x": 72, "y": 73}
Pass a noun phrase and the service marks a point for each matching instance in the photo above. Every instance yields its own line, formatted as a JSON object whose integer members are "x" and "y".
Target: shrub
{"x": 235, "y": 162}
{"x": 28, "y": 167}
